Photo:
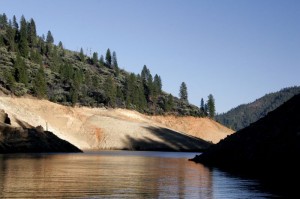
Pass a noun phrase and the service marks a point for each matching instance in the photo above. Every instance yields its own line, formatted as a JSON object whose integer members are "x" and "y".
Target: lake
{"x": 118, "y": 174}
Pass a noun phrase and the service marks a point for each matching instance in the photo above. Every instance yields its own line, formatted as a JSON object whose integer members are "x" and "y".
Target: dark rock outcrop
{"x": 30, "y": 140}
{"x": 4, "y": 117}
{"x": 270, "y": 146}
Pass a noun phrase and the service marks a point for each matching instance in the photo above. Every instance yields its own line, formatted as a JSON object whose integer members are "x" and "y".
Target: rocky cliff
{"x": 29, "y": 140}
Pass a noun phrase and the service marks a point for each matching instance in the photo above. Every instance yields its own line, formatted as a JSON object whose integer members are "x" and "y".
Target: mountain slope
{"x": 101, "y": 128}
{"x": 267, "y": 146}
{"x": 243, "y": 115}
{"x": 30, "y": 64}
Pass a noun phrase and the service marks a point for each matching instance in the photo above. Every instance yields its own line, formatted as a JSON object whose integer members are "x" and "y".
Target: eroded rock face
{"x": 30, "y": 140}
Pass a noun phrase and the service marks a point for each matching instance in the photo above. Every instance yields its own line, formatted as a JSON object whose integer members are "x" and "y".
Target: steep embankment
{"x": 270, "y": 145}
{"x": 29, "y": 140}
{"x": 100, "y": 128}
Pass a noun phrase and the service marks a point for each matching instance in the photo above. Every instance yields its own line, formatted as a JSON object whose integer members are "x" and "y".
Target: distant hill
{"x": 243, "y": 115}
{"x": 269, "y": 146}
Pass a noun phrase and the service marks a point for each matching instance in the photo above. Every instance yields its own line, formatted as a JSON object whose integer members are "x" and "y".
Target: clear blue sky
{"x": 237, "y": 50}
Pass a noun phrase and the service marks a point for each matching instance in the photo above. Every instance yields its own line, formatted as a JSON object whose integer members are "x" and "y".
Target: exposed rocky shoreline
{"x": 29, "y": 140}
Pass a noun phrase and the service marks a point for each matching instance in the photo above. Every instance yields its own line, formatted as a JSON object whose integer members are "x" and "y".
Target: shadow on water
{"x": 167, "y": 140}
{"x": 278, "y": 183}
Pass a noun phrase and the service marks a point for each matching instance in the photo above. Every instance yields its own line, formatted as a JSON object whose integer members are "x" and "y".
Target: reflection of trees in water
{"x": 88, "y": 175}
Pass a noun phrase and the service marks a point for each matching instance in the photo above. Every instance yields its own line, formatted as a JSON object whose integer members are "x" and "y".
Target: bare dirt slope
{"x": 100, "y": 128}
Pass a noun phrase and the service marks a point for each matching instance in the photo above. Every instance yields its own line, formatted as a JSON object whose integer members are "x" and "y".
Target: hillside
{"x": 243, "y": 115}
{"x": 35, "y": 65}
{"x": 29, "y": 139}
{"x": 102, "y": 128}
{"x": 268, "y": 147}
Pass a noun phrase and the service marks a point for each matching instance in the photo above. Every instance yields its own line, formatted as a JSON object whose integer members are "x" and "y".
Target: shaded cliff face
{"x": 30, "y": 140}
{"x": 270, "y": 145}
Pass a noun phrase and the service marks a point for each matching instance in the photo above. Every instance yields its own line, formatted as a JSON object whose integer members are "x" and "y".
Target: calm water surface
{"x": 118, "y": 174}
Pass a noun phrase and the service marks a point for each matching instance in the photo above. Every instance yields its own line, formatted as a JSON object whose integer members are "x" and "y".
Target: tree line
{"x": 35, "y": 65}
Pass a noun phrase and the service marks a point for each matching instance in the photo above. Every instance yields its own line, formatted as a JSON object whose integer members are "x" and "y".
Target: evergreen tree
{"x": 114, "y": 60}
{"x": 205, "y": 109}
{"x": 95, "y": 58}
{"x": 108, "y": 58}
{"x": 211, "y": 106}
{"x": 202, "y": 104}
{"x": 81, "y": 55}
{"x": 50, "y": 39}
{"x": 157, "y": 84}
{"x": 169, "y": 103}
{"x": 23, "y": 44}
{"x": 23, "y": 28}
{"x": 110, "y": 91}
{"x": 202, "y": 111}
{"x": 32, "y": 33}
{"x": 60, "y": 45}
{"x": 3, "y": 21}
{"x": 101, "y": 61}
{"x": 10, "y": 35}
{"x": 40, "y": 84}
{"x": 183, "y": 94}
{"x": 10, "y": 80}
{"x": 15, "y": 23}
{"x": 21, "y": 74}
{"x": 145, "y": 73}
{"x": 74, "y": 96}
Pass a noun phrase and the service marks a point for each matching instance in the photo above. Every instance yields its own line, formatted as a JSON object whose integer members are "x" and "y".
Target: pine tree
{"x": 74, "y": 96}
{"x": 15, "y": 23}
{"x": 40, "y": 85}
{"x": 23, "y": 44}
{"x": 3, "y": 21}
{"x": 50, "y": 39}
{"x": 10, "y": 80}
{"x": 10, "y": 34}
{"x": 21, "y": 74}
{"x": 114, "y": 60}
{"x": 110, "y": 91}
{"x": 202, "y": 112}
{"x": 183, "y": 94}
{"x": 108, "y": 58}
{"x": 101, "y": 61}
{"x": 205, "y": 109}
{"x": 157, "y": 84}
{"x": 95, "y": 58}
{"x": 60, "y": 45}
{"x": 32, "y": 33}
{"x": 211, "y": 106}
{"x": 81, "y": 55}
{"x": 169, "y": 103}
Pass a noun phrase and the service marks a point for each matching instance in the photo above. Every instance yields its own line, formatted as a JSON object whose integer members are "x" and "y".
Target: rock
{"x": 39, "y": 129}
{"x": 4, "y": 117}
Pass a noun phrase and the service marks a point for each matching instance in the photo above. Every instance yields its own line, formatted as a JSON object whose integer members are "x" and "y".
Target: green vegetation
{"x": 183, "y": 92}
{"x": 35, "y": 65}
{"x": 243, "y": 115}
{"x": 211, "y": 106}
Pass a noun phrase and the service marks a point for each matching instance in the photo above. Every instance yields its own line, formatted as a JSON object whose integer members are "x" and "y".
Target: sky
{"x": 236, "y": 50}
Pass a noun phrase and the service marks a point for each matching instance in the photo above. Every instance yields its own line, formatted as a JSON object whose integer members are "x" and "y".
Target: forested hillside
{"x": 35, "y": 65}
{"x": 243, "y": 115}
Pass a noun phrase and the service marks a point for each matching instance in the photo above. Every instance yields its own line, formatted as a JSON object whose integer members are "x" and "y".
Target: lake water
{"x": 118, "y": 174}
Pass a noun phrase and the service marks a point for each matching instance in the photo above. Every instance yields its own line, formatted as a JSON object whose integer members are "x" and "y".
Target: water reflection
{"x": 115, "y": 175}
